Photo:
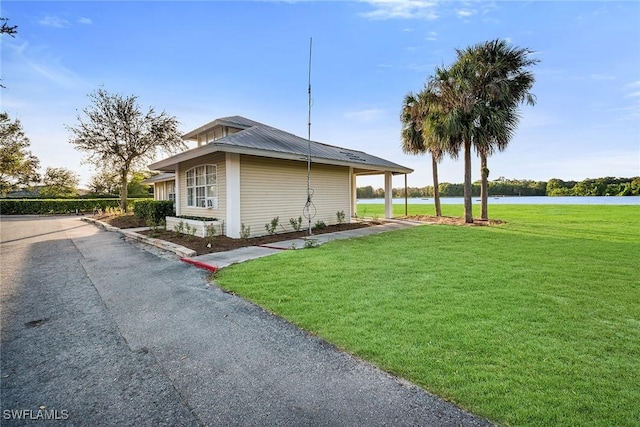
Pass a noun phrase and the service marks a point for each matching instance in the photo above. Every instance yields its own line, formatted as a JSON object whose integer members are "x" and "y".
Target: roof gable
{"x": 237, "y": 122}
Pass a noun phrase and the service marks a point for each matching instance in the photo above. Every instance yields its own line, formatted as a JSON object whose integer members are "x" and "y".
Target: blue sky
{"x": 203, "y": 60}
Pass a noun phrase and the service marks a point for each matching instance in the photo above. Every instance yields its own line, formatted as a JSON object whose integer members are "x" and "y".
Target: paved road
{"x": 97, "y": 331}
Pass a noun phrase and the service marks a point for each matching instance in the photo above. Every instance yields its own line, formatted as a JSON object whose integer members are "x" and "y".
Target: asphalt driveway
{"x": 106, "y": 333}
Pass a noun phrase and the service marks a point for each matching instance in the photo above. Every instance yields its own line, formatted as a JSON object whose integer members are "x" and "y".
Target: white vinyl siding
{"x": 273, "y": 187}
{"x": 216, "y": 159}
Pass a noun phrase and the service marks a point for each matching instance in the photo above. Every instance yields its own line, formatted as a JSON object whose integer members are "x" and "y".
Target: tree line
{"x": 20, "y": 172}
{"x": 606, "y": 186}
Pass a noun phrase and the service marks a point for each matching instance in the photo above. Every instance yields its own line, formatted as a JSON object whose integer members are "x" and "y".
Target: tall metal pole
{"x": 308, "y": 206}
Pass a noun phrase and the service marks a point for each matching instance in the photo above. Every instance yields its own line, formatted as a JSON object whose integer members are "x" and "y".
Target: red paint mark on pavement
{"x": 199, "y": 264}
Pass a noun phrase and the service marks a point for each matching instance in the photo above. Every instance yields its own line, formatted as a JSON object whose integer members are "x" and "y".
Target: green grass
{"x": 535, "y": 322}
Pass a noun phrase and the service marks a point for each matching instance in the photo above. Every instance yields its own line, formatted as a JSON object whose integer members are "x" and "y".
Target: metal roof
{"x": 262, "y": 140}
{"x": 161, "y": 177}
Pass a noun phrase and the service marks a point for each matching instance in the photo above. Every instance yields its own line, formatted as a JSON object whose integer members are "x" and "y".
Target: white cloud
{"x": 366, "y": 116}
{"x": 33, "y": 60}
{"x": 54, "y": 21}
{"x": 602, "y": 77}
{"x": 465, "y": 13}
{"x": 402, "y": 9}
{"x": 84, "y": 20}
{"x": 432, "y": 36}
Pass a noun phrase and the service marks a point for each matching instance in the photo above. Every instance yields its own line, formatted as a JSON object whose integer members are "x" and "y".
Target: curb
{"x": 199, "y": 264}
{"x": 181, "y": 251}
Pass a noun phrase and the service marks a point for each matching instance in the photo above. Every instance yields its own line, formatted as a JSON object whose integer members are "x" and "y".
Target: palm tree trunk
{"x": 484, "y": 186}
{"x": 468, "y": 208}
{"x": 436, "y": 192}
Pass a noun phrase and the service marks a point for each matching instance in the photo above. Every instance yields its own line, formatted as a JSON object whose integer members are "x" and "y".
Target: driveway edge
{"x": 179, "y": 250}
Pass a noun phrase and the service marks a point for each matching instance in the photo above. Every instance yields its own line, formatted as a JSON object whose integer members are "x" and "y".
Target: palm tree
{"x": 413, "y": 115}
{"x": 422, "y": 131}
{"x": 456, "y": 123}
{"x": 499, "y": 83}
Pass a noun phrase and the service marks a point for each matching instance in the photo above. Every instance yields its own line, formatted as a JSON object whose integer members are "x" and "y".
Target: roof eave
{"x": 370, "y": 169}
{"x": 169, "y": 164}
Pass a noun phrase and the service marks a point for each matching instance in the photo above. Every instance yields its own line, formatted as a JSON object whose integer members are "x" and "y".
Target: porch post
{"x": 353, "y": 193}
{"x": 233, "y": 222}
{"x": 406, "y": 197}
{"x": 178, "y": 195}
{"x": 388, "y": 195}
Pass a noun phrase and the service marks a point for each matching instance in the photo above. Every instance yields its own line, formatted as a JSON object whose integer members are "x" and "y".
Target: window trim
{"x": 206, "y": 186}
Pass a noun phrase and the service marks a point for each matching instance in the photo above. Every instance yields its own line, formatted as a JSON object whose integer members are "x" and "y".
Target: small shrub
{"x": 340, "y": 216}
{"x": 296, "y": 223}
{"x": 153, "y": 210}
{"x": 154, "y": 227}
{"x": 210, "y": 231}
{"x": 320, "y": 225}
{"x": 179, "y": 228}
{"x": 310, "y": 243}
{"x": 245, "y": 232}
{"x": 190, "y": 231}
{"x": 271, "y": 227}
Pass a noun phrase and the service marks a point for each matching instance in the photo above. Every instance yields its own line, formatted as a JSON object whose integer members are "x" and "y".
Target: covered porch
{"x": 388, "y": 174}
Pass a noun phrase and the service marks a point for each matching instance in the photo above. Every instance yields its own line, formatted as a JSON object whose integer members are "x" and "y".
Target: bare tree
{"x": 8, "y": 29}
{"x": 115, "y": 134}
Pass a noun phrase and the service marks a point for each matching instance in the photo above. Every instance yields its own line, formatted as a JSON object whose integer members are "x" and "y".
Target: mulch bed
{"x": 450, "y": 220}
{"x": 224, "y": 243}
{"x": 122, "y": 221}
{"x": 220, "y": 243}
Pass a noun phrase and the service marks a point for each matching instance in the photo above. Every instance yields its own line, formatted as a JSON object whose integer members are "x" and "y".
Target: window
{"x": 202, "y": 186}
{"x": 171, "y": 191}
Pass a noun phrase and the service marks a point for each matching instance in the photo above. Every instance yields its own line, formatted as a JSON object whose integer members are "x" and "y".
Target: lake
{"x": 524, "y": 200}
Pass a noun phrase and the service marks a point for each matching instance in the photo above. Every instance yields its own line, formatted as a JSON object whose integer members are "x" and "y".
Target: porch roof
{"x": 161, "y": 177}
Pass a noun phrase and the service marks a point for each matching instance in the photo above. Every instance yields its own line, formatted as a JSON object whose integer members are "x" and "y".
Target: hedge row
{"x": 54, "y": 206}
{"x": 153, "y": 210}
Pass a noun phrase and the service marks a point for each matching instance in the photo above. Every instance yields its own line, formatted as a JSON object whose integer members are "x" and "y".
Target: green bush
{"x": 153, "y": 210}
{"x": 54, "y": 206}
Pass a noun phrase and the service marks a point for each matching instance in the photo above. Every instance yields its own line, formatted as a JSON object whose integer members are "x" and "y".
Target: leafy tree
{"x": 135, "y": 186}
{"x": 116, "y": 134}
{"x": 105, "y": 181}
{"x": 59, "y": 182}
{"x": 365, "y": 192}
{"x": 18, "y": 167}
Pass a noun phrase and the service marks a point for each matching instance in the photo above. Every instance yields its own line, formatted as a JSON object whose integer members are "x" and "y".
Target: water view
{"x": 524, "y": 200}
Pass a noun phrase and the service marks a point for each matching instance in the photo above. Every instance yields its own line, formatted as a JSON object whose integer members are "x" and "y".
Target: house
{"x": 245, "y": 173}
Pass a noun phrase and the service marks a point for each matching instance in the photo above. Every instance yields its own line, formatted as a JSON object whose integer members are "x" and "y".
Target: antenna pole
{"x": 308, "y": 205}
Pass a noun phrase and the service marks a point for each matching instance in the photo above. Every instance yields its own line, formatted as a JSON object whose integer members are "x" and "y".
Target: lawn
{"x": 534, "y": 322}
